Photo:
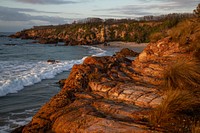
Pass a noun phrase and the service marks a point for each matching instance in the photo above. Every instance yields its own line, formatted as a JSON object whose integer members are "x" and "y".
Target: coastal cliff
{"x": 116, "y": 94}
{"x": 90, "y": 33}
{"x": 100, "y": 31}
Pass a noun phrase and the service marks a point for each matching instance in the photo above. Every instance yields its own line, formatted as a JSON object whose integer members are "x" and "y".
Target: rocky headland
{"x": 110, "y": 94}
{"x": 96, "y": 31}
{"x": 116, "y": 94}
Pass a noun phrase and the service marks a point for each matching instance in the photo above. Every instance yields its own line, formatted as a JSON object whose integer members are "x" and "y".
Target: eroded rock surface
{"x": 108, "y": 94}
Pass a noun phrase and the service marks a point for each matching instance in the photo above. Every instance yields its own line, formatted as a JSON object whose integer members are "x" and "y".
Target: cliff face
{"x": 109, "y": 94}
{"x": 91, "y": 33}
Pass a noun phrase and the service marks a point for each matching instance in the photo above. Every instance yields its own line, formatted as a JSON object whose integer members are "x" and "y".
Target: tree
{"x": 197, "y": 11}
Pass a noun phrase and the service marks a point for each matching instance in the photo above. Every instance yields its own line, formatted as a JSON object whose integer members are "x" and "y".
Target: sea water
{"x": 28, "y": 80}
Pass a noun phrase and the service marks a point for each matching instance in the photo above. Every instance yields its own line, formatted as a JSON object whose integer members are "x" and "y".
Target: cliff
{"x": 89, "y": 33}
{"x": 116, "y": 94}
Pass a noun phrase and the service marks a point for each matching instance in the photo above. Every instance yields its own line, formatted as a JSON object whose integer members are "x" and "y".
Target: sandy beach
{"x": 131, "y": 45}
{"x": 127, "y": 44}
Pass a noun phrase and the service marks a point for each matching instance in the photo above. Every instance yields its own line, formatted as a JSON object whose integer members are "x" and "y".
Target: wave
{"x": 15, "y": 75}
{"x": 95, "y": 51}
{"x": 17, "y": 119}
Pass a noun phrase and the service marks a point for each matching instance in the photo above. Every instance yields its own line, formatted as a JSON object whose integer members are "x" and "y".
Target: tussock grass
{"x": 187, "y": 33}
{"x": 177, "y": 113}
{"x": 180, "y": 108}
{"x": 175, "y": 103}
{"x": 183, "y": 74}
{"x": 156, "y": 36}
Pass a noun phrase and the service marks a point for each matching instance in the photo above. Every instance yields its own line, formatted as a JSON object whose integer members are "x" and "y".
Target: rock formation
{"x": 109, "y": 94}
{"x": 90, "y": 33}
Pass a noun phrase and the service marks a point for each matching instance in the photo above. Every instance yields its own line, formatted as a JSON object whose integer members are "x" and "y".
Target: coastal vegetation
{"x": 179, "y": 111}
{"x": 96, "y": 30}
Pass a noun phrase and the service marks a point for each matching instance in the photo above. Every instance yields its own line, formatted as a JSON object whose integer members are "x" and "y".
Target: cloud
{"x": 15, "y": 19}
{"x": 152, "y": 7}
{"x": 17, "y": 14}
{"x": 57, "y": 2}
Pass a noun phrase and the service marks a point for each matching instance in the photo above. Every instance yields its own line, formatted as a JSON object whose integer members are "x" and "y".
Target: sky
{"x": 16, "y": 15}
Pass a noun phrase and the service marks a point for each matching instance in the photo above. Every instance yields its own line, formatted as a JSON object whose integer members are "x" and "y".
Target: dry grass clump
{"x": 176, "y": 102}
{"x": 156, "y": 36}
{"x": 186, "y": 32}
{"x": 183, "y": 74}
{"x": 180, "y": 108}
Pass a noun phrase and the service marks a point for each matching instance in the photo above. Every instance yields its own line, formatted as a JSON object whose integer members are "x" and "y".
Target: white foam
{"x": 95, "y": 51}
{"x": 15, "y": 75}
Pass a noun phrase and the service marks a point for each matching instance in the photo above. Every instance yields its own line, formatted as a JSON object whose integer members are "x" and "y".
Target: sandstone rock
{"x": 118, "y": 100}
{"x": 125, "y": 52}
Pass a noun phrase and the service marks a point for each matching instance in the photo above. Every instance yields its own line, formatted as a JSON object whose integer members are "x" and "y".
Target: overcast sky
{"x": 16, "y": 15}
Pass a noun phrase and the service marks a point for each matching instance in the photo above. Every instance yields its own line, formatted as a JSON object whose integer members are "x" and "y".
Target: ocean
{"x": 28, "y": 80}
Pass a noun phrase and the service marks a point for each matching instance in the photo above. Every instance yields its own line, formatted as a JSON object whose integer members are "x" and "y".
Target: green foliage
{"x": 116, "y": 30}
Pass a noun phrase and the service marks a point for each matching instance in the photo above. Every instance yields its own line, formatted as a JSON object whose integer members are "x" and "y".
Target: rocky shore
{"x": 110, "y": 94}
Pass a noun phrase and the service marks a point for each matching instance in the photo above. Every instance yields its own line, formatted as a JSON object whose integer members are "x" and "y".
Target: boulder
{"x": 126, "y": 52}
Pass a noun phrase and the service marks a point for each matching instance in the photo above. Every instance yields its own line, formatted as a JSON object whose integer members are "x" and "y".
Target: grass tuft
{"x": 183, "y": 74}
{"x": 187, "y": 34}
{"x": 176, "y": 112}
{"x": 181, "y": 105}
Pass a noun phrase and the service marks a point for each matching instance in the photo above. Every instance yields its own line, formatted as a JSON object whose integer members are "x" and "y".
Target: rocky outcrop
{"x": 109, "y": 94}
{"x": 151, "y": 63}
{"x": 90, "y": 33}
{"x": 125, "y": 52}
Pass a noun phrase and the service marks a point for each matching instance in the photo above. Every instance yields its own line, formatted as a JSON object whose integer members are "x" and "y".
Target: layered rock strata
{"x": 109, "y": 94}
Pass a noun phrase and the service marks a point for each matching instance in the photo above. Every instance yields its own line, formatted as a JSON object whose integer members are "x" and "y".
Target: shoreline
{"x": 120, "y": 45}
{"x": 123, "y": 44}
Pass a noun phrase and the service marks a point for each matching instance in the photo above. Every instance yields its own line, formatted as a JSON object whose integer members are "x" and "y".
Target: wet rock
{"x": 10, "y": 44}
{"x": 53, "y": 61}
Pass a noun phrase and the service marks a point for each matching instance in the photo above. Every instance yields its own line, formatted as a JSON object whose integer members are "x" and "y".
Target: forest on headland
{"x": 95, "y": 30}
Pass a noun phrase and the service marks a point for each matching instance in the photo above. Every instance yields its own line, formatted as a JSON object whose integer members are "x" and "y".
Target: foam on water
{"x": 17, "y": 119}
{"x": 95, "y": 51}
{"x": 14, "y": 75}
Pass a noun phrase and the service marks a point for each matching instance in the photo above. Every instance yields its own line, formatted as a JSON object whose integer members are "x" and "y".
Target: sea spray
{"x": 17, "y": 74}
